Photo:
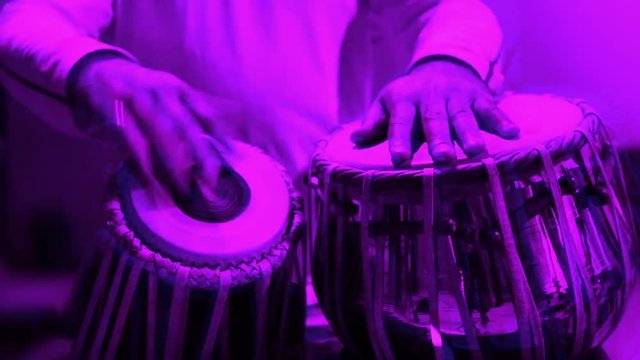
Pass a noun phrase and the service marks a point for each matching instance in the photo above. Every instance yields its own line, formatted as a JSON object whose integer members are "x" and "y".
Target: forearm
{"x": 42, "y": 40}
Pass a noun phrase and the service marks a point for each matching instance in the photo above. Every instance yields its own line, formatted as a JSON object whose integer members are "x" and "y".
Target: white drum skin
{"x": 255, "y": 230}
{"x": 537, "y": 116}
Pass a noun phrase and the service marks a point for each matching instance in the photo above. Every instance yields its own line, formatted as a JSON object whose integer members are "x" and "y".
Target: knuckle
{"x": 485, "y": 101}
{"x": 434, "y": 113}
{"x": 391, "y": 97}
{"x": 398, "y": 92}
{"x": 399, "y": 121}
{"x": 474, "y": 146}
{"x": 461, "y": 114}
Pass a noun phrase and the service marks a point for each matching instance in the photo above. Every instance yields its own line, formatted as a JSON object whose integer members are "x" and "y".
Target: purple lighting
{"x": 444, "y": 179}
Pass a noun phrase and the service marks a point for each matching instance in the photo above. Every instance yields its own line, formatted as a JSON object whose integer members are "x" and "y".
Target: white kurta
{"x": 319, "y": 62}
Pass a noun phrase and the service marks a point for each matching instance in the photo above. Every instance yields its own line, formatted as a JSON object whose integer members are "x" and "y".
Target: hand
{"x": 439, "y": 101}
{"x": 169, "y": 123}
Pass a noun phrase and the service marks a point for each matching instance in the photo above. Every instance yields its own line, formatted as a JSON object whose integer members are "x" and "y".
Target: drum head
{"x": 540, "y": 118}
{"x": 156, "y": 220}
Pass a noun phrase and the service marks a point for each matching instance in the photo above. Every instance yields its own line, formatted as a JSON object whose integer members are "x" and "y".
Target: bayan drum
{"x": 524, "y": 253}
{"x": 173, "y": 284}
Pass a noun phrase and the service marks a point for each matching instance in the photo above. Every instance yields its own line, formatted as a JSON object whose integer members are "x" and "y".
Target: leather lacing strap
{"x": 526, "y": 312}
{"x": 456, "y": 287}
{"x": 123, "y": 311}
{"x": 152, "y": 307}
{"x": 111, "y": 302}
{"x": 379, "y": 343}
{"x": 428, "y": 217}
{"x": 624, "y": 240}
{"x": 177, "y": 315}
{"x": 290, "y": 265}
{"x": 219, "y": 309}
{"x": 96, "y": 295}
{"x": 262, "y": 296}
{"x": 623, "y": 236}
{"x": 325, "y": 211}
{"x": 588, "y": 111}
{"x": 570, "y": 235}
{"x": 339, "y": 275}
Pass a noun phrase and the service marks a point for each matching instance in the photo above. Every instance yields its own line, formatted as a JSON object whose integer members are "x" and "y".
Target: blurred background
{"x": 51, "y": 179}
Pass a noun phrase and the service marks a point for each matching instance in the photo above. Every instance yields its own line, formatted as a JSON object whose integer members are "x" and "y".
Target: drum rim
{"x": 519, "y": 160}
{"x": 237, "y": 272}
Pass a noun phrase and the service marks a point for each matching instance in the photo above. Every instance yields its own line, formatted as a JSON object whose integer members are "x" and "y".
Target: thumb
{"x": 373, "y": 129}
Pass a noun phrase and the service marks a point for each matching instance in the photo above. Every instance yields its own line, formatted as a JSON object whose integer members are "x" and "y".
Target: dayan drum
{"x": 522, "y": 254}
{"x": 173, "y": 284}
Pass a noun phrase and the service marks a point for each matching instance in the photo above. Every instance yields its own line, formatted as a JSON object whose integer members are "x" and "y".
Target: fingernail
{"x": 207, "y": 189}
{"x": 474, "y": 149}
{"x": 356, "y": 137}
{"x": 401, "y": 161}
{"x": 510, "y": 131}
{"x": 443, "y": 153}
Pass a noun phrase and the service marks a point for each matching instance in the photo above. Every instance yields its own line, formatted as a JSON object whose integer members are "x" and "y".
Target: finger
{"x": 210, "y": 173}
{"x": 437, "y": 131}
{"x": 172, "y": 157}
{"x": 373, "y": 129}
{"x": 206, "y": 157}
{"x": 465, "y": 125}
{"x": 401, "y": 120}
{"x": 175, "y": 157}
{"x": 493, "y": 120}
{"x": 136, "y": 141}
{"x": 208, "y": 161}
{"x": 211, "y": 113}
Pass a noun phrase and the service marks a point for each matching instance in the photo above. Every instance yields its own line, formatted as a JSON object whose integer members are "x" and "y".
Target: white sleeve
{"x": 464, "y": 29}
{"x": 41, "y": 40}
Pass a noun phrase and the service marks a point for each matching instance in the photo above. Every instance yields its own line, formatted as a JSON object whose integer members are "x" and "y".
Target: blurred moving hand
{"x": 439, "y": 101}
{"x": 171, "y": 126}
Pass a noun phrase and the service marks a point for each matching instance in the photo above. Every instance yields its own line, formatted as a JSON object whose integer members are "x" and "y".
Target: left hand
{"x": 439, "y": 101}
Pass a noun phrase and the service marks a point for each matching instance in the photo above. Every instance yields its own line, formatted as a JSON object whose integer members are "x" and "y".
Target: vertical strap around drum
{"x": 106, "y": 315}
{"x": 339, "y": 276}
{"x": 569, "y": 237}
{"x": 262, "y": 305}
{"x": 96, "y": 295}
{"x": 219, "y": 309}
{"x": 625, "y": 236}
{"x": 324, "y": 241}
{"x": 123, "y": 312}
{"x": 456, "y": 287}
{"x": 427, "y": 251}
{"x": 379, "y": 342}
{"x": 626, "y": 218}
{"x": 526, "y": 312}
{"x": 289, "y": 263}
{"x": 152, "y": 306}
{"x": 177, "y": 315}
{"x": 588, "y": 111}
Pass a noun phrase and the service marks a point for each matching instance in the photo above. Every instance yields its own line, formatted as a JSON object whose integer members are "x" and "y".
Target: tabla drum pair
{"x": 170, "y": 284}
{"x": 523, "y": 254}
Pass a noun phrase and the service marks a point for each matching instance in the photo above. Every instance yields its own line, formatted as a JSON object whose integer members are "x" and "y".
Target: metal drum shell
{"x": 338, "y": 188}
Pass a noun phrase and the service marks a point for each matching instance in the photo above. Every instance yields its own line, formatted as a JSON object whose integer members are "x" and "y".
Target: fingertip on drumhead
{"x": 509, "y": 131}
{"x": 401, "y": 160}
{"x": 357, "y": 137}
{"x": 442, "y": 154}
{"x": 362, "y": 138}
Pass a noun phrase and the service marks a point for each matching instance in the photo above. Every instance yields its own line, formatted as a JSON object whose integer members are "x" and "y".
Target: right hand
{"x": 171, "y": 126}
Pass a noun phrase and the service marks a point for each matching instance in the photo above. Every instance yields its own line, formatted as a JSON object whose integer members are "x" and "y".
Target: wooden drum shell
{"x": 140, "y": 302}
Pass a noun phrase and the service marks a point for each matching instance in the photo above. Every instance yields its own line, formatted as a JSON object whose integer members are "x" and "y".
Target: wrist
{"x": 442, "y": 62}
{"x": 89, "y": 98}
{"x": 92, "y": 68}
